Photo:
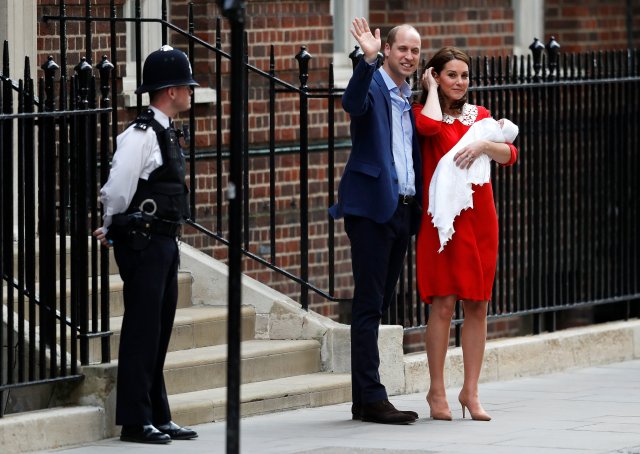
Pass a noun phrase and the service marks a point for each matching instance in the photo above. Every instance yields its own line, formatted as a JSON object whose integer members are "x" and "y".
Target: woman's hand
{"x": 369, "y": 43}
{"x": 466, "y": 156}
{"x": 427, "y": 80}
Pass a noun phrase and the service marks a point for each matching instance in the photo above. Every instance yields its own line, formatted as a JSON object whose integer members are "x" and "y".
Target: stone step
{"x": 116, "y": 300}
{"x": 206, "y": 367}
{"x": 288, "y": 393}
{"x": 113, "y": 267}
{"x": 51, "y": 428}
{"x": 193, "y": 327}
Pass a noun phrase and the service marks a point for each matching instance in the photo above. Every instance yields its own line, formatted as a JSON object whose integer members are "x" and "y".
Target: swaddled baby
{"x": 450, "y": 189}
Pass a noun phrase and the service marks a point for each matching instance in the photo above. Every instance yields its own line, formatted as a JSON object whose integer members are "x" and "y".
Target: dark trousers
{"x": 150, "y": 298}
{"x": 377, "y": 257}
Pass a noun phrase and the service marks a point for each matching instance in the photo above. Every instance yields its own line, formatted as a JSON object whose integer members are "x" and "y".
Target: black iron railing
{"x": 568, "y": 210}
{"x": 48, "y": 206}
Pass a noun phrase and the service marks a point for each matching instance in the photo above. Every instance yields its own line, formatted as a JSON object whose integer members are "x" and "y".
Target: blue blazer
{"x": 369, "y": 186}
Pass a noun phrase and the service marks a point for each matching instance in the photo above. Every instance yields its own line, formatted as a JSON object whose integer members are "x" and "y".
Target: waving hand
{"x": 370, "y": 43}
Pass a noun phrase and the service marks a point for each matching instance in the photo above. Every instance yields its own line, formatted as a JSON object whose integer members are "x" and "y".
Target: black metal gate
{"x": 55, "y": 152}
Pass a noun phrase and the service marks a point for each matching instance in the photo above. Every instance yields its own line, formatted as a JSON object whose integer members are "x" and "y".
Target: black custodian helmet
{"x": 166, "y": 67}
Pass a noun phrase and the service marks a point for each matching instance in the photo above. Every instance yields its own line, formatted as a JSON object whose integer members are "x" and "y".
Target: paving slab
{"x": 594, "y": 410}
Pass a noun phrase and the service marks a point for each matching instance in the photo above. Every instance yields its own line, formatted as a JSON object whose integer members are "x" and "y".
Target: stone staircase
{"x": 290, "y": 359}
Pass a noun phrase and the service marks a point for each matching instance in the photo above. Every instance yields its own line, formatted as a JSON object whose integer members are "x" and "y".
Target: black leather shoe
{"x": 144, "y": 434}
{"x": 176, "y": 432}
{"x": 356, "y": 412}
{"x": 383, "y": 412}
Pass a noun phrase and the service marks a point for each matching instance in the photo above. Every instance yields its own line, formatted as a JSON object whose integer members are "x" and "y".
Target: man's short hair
{"x": 391, "y": 36}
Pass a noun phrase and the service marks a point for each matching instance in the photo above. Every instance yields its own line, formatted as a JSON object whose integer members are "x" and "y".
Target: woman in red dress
{"x": 465, "y": 269}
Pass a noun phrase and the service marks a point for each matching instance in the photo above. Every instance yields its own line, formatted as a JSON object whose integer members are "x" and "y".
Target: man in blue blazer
{"x": 379, "y": 197}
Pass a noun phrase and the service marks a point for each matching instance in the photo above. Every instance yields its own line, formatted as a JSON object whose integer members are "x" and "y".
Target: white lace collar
{"x": 467, "y": 118}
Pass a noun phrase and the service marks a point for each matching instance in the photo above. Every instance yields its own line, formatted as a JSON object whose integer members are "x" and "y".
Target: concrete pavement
{"x": 587, "y": 411}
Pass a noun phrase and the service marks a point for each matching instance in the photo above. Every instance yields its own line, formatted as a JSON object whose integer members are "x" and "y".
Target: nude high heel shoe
{"x": 481, "y": 415}
{"x": 441, "y": 415}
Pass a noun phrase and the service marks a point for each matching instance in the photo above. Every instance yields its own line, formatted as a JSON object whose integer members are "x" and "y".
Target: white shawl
{"x": 450, "y": 188}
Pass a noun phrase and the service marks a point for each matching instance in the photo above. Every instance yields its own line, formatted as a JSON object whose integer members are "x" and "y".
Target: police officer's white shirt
{"x": 137, "y": 155}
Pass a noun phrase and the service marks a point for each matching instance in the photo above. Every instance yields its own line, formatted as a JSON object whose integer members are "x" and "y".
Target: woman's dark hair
{"x": 438, "y": 62}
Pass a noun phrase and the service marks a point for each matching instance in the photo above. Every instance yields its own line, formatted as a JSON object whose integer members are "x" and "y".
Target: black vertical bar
{"x": 588, "y": 184}
{"x": 331, "y": 113}
{"x": 66, "y": 217}
{"x": 303, "y": 58}
{"x": 534, "y": 97}
{"x": 245, "y": 151}
{"x": 19, "y": 269}
{"x": 567, "y": 240}
{"x": 218, "y": 69}
{"x": 30, "y": 220}
{"x": 114, "y": 74}
{"x": 192, "y": 122}
{"x": 85, "y": 139}
{"x": 272, "y": 155}
{"x": 106, "y": 68}
{"x": 629, "y": 24}
{"x": 90, "y": 198}
{"x": 138, "y": 44}
{"x": 633, "y": 170}
{"x": 304, "y": 198}
{"x": 522, "y": 184}
{"x": 63, "y": 39}
{"x": 88, "y": 32}
{"x": 164, "y": 22}
{"x": 235, "y": 13}
{"x": 596, "y": 170}
{"x": 8, "y": 207}
{"x": 5, "y": 172}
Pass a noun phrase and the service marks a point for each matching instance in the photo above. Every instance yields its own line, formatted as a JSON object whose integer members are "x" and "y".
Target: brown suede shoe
{"x": 356, "y": 412}
{"x": 383, "y": 412}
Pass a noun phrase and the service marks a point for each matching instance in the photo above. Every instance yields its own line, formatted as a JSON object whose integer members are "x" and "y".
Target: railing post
{"x": 81, "y": 213}
{"x": 234, "y": 10}
{"x": 47, "y": 217}
{"x": 7, "y": 219}
{"x": 104, "y": 67}
{"x": 303, "y": 58}
{"x": 189, "y": 129}
{"x": 536, "y": 49}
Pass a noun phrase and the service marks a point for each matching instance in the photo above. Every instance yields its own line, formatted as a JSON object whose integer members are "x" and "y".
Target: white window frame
{"x": 343, "y": 12}
{"x": 528, "y": 23}
{"x": 151, "y": 40}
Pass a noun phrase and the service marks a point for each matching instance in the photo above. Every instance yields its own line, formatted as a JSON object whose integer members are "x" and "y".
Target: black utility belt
{"x": 164, "y": 227}
{"x": 137, "y": 228}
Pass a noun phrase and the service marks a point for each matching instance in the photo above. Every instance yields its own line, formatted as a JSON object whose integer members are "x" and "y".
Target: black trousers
{"x": 377, "y": 257}
{"x": 150, "y": 298}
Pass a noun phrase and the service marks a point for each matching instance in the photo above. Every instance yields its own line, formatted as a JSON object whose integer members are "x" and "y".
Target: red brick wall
{"x": 479, "y": 27}
{"x": 586, "y": 25}
{"x": 482, "y": 27}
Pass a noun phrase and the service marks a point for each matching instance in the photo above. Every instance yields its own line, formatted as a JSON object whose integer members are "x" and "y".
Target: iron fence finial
{"x": 49, "y": 67}
{"x": 104, "y": 67}
{"x": 303, "y": 58}
{"x": 537, "y": 48}
{"x": 83, "y": 69}
{"x": 355, "y": 56}
{"x": 553, "y": 52}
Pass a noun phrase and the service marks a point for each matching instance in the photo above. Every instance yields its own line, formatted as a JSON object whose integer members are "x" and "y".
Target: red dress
{"x": 467, "y": 265}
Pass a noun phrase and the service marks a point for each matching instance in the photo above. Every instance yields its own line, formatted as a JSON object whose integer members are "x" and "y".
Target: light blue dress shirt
{"x": 402, "y": 134}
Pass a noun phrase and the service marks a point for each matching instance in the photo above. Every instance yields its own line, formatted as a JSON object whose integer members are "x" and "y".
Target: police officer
{"x": 145, "y": 203}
